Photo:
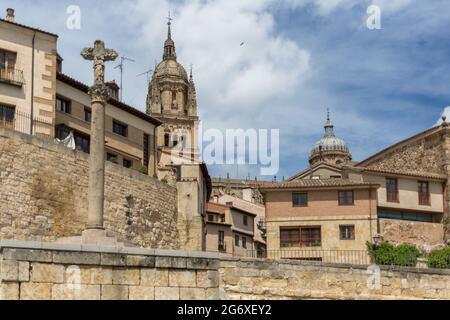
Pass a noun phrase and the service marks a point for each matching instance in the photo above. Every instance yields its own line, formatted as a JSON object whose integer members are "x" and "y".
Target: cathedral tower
{"x": 172, "y": 100}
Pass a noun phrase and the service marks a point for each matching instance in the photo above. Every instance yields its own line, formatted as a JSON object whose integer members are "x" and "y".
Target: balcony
{"x": 12, "y": 76}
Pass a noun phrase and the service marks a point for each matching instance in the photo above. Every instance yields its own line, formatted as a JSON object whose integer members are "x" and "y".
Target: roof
{"x": 314, "y": 167}
{"x": 398, "y": 144}
{"x": 318, "y": 183}
{"x": 83, "y": 87}
{"x": 29, "y": 28}
{"x": 400, "y": 173}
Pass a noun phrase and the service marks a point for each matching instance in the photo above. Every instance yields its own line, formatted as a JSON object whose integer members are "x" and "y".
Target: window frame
{"x": 345, "y": 198}
{"x": 244, "y": 242}
{"x": 245, "y": 220}
{"x": 236, "y": 240}
{"x": 342, "y": 229}
{"x": 124, "y": 126}
{"x": 299, "y": 204}
{"x": 299, "y": 239}
{"x": 221, "y": 240}
{"x": 392, "y": 195}
{"x": 67, "y": 108}
{"x": 87, "y": 111}
{"x": 424, "y": 197}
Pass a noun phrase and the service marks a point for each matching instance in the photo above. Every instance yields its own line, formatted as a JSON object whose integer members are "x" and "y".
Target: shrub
{"x": 388, "y": 254}
{"x": 439, "y": 258}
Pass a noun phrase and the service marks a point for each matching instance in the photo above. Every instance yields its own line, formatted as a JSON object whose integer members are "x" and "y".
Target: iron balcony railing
{"x": 12, "y": 76}
{"x": 347, "y": 257}
{"x": 22, "y": 122}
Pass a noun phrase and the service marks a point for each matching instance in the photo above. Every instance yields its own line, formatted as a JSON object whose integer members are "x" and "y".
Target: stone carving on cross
{"x": 99, "y": 54}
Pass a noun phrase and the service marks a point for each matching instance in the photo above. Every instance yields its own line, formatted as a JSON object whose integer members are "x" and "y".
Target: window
{"x": 311, "y": 237}
{"x": 300, "y": 199}
{"x": 222, "y": 218}
{"x": 87, "y": 114}
{"x": 7, "y": 60}
{"x": 300, "y": 237}
{"x": 146, "y": 148}
{"x": 120, "y": 128}
{"x": 111, "y": 157}
{"x": 7, "y": 114}
{"x": 347, "y": 232}
{"x": 236, "y": 241}
{"x": 210, "y": 218}
{"x": 391, "y": 190}
{"x": 424, "y": 193}
{"x": 166, "y": 139}
{"x": 290, "y": 238}
{"x": 222, "y": 241}
{"x": 244, "y": 242}
{"x": 127, "y": 163}
{"x": 346, "y": 198}
{"x": 245, "y": 220}
{"x": 82, "y": 141}
{"x": 335, "y": 177}
{"x": 63, "y": 105}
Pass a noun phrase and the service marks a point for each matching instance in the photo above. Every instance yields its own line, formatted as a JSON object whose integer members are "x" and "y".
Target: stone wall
{"x": 425, "y": 236}
{"x": 48, "y": 271}
{"x": 44, "y": 196}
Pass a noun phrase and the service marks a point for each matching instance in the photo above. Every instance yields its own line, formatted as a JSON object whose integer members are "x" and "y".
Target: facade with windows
{"x": 319, "y": 214}
{"x": 130, "y": 134}
{"x": 27, "y": 77}
{"x": 230, "y": 230}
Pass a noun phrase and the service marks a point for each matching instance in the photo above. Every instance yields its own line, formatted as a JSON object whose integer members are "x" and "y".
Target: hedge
{"x": 439, "y": 259}
{"x": 387, "y": 254}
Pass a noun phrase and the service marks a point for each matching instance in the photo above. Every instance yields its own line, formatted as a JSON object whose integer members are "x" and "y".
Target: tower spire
{"x": 169, "y": 45}
{"x": 329, "y": 128}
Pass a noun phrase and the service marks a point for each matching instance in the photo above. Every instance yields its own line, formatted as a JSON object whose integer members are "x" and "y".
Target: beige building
{"x": 305, "y": 216}
{"x": 27, "y": 77}
{"x": 232, "y": 230}
{"x": 130, "y": 134}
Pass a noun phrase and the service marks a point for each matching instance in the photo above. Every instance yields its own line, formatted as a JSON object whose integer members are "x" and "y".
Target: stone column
{"x": 99, "y": 98}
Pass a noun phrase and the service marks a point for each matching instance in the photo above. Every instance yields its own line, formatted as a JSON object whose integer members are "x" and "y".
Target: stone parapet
{"x": 39, "y": 270}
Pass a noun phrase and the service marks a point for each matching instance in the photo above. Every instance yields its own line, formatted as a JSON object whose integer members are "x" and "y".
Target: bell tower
{"x": 172, "y": 99}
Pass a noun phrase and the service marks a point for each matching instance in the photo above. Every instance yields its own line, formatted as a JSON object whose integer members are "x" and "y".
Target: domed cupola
{"x": 330, "y": 149}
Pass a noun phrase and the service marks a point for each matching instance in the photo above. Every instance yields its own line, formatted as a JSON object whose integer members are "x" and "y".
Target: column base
{"x": 93, "y": 237}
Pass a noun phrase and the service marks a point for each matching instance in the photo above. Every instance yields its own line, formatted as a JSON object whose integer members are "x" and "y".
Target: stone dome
{"x": 330, "y": 148}
{"x": 171, "y": 68}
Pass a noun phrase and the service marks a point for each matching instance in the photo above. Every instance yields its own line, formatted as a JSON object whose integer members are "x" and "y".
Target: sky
{"x": 266, "y": 64}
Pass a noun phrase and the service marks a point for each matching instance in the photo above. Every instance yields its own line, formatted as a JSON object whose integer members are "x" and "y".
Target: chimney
{"x": 10, "y": 15}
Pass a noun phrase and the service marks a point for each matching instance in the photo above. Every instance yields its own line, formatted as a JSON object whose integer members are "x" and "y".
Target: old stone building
{"x": 172, "y": 100}
{"x": 408, "y": 183}
{"x": 27, "y": 77}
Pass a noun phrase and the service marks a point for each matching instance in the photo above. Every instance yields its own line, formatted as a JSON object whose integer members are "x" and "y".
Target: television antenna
{"x": 148, "y": 72}
{"x": 120, "y": 66}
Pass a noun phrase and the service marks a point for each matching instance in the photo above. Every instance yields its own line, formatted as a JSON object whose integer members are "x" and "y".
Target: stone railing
{"x": 35, "y": 270}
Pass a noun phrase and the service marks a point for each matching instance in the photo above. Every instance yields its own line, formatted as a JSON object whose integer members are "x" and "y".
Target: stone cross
{"x": 99, "y": 97}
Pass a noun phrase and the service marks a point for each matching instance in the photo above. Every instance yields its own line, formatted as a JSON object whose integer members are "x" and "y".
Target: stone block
{"x": 114, "y": 292}
{"x": 178, "y": 263}
{"x": 192, "y": 294}
{"x": 49, "y": 273}
{"x": 167, "y": 293}
{"x": 9, "y": 291}
{"x": 35, "y": 291}
{"x": 95, "y": 275}
{"x": 142, "y": 293}
{"x": 113, "y": 259}
{"x": 75, "y": 292}
{"x": 9, "y": 270}
{"x": 126, "y": 276}
{"x": 24, "y": 271}
{"x": 163, "y": 262}
{"x": 155, "y": 277}
{"x": 202, "y": 264}
{"x": 182, "y": 278}
{"x": 215, "y": 294}
{"x": 141, "y": 261}
{"x": 27, "y": 255}
{"x": 78, "y": 258}
{"x": 208, "y": 279}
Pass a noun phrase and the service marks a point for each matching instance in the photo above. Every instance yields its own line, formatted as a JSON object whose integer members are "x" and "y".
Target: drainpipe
{"x": 155, "y": 151}
{"x": 32, "y": 84}
{"x": 370, "y": 212}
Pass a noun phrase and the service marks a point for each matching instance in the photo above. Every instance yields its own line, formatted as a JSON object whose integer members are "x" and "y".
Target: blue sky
{"x": 300, "y": 57}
